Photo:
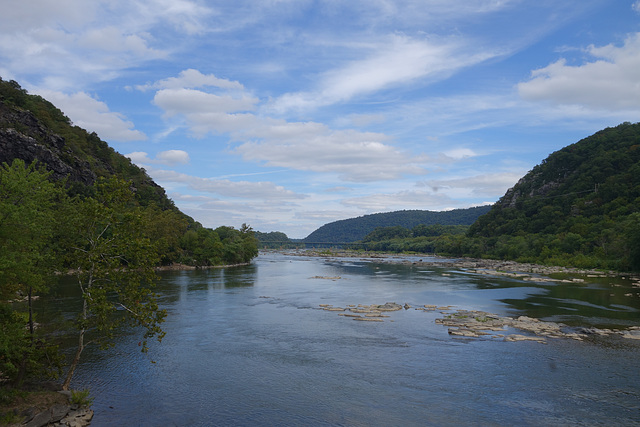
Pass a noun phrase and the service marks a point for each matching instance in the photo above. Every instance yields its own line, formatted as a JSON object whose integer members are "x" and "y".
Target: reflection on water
{"x": 250, "y": 346}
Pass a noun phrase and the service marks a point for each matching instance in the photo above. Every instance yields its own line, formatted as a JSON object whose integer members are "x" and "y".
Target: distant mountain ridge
{"x": 354, "y": 229}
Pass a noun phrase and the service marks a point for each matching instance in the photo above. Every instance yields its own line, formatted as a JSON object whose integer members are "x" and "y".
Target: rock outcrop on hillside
{"x": 23, "y": 137}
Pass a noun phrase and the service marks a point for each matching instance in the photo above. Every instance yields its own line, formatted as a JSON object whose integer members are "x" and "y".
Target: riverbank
{"x": 179, "y": 267}
{"x": 44, "y": 407}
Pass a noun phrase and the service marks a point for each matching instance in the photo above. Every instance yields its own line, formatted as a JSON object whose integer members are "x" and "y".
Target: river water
{"x": 250, "y": 346}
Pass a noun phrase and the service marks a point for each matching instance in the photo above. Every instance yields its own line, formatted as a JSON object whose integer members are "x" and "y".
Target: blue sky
{"x": 289, "y": 114}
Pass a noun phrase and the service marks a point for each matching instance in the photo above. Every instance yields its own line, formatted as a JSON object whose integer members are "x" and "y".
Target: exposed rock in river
{"x": 476, "y": 324}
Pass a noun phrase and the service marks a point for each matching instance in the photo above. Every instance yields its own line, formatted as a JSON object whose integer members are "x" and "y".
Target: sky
{"x": 290, "y": 114}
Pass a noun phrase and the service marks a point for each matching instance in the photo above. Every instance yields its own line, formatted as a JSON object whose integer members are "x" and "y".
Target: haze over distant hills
{"x": 354, "y": 229}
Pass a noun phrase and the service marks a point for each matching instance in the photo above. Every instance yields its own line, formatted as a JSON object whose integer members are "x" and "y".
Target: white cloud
{"x": 190, "y": 102}
{"x": 170, "y": 157}
{"x": 186, "y": 16}
{"x": 460, "y": 153}
{"x": 225, "y": 187}
{"x": 73, "y": 43}
{"x": 424, "y": 200}
{"x": 173, "y": 157}
{"x": 112, "y": 40}
{"x": 191, "y": 79}
{"x": 636, "y": 6}
{"x": 139, "y": 158}
{"x": 354, "y": 156}
{"x": 206, "y": 112}
{"x": 39, "y": 13}
{"x": 94, "y": 116}
{"x": 610, "y": 82}
{"x": 398, "y": 60}
{"x": 307, "y": 146}
{"x": 439, "y": 194}
{"x": 492, "y": 185}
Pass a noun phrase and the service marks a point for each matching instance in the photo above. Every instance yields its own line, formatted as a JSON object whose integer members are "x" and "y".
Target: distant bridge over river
{"x": 313, "y": 244}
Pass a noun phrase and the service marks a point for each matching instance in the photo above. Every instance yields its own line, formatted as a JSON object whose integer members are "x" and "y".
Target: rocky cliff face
{"x": 527, "y": 186}
{"x": 23, "y": 137}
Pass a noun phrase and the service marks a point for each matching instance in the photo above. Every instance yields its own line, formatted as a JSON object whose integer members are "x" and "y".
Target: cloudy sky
{"x": 288, "y": 114}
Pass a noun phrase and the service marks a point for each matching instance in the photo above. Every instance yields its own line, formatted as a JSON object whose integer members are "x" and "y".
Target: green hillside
{"x": 33, "y": 130}
{"x": 580, "y": 206}
{"x": 355, "y": 229}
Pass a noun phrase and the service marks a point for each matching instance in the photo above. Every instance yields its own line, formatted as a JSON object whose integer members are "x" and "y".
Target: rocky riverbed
{"x": 481, "y": 266}
{"x": 477, "y": 324}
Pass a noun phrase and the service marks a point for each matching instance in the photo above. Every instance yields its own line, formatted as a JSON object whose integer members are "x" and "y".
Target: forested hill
{"x": 582, "y": 202}
{"x": 354, "y": 229}
{"x": 32, "y": 130}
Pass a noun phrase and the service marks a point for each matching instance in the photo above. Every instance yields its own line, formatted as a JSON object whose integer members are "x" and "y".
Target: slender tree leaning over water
{"x": 114, "y": 265}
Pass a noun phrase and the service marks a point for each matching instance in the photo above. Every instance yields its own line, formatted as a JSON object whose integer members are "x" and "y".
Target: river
{"x": 251, "y": 345}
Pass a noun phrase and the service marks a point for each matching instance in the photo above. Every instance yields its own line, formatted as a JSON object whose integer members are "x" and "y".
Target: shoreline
{"x": 482, "y": 266}
{"x": 181, "y": 267}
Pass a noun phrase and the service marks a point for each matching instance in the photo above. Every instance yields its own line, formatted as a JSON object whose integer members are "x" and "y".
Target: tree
{"x": 114, "y": 264}
{"x": 28, "y": 202}
{"x": 633, "y": 240}
{"x": 386, "y": 233}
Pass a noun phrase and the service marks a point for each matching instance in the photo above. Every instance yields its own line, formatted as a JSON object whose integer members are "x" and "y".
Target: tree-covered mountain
{"x": 31, "y": 128}
{"x": 354, "y": 229}
{"x": 580, "y": 206}
{"x": 275, "y": 240}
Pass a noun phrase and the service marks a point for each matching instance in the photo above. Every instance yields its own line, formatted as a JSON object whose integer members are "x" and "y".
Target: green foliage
{"x": 27, "y": 259}
{"x": 386, "y": 233}
{"x": 114, "y": 262}
{"x": 13, "y": 341}
{"x": 27, "y": 223}
{"x": 166, "y": 228}
{"x": 579, "y": 207}
{"x": 163, "y": 222}
{"x": 81, "y": 398}
{"x": 276, "y": 240}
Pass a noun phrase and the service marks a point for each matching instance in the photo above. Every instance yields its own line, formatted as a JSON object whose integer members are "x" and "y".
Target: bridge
{"x": 313, "y": 244}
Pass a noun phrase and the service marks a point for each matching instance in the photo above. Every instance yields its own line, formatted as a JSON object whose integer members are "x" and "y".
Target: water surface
{"x": 251, "y": 346}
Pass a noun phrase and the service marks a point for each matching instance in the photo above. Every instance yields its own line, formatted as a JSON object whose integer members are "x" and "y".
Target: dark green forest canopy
{"x": 594, "y": 180}
{"x": 354, "y": 229}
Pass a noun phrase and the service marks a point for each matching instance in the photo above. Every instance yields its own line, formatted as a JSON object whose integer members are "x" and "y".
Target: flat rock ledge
{"x": 493, "y": 267}
{"x": 58, "y": 416}
{"x": 475, "y": 324}
{"x": 366, "y": 313}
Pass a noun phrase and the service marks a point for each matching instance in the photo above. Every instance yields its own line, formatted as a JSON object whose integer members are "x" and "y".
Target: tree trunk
{"x": 76, "y": 358}
{"x": 74, "y": 363}
{"x": 30, "y": 303}
{"x": 22, "y": 370}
